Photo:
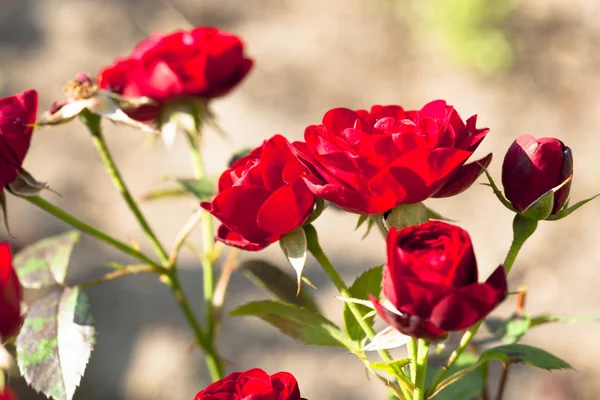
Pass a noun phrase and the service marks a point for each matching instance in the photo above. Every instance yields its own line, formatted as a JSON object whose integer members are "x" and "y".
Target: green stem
{"x": 423, "y": 354}
{"x": 315, "y": 248}
{"x": 523, "y": 228}
{"x": 208, "y": 269}
{"x": 92, "y": 121}
{"x": 211, "y": 358}
{"x": 90, "y": 230}
{"x": 413, "y": 353}
{"x": 131, "y": 270}
{"x": 197, "y": 162}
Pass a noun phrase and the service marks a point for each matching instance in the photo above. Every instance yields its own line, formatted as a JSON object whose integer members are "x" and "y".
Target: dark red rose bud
{"x": 533, "y": 167}
{"x": 10, "y": 296}
{"x": 203, "y": 62}
{"x": 17, "y": 117}
{"x": 262, "y": 196}
{"x": 368, "y": 162}
{"x": 253, "y": 384}
{"x": 431, "y": 282}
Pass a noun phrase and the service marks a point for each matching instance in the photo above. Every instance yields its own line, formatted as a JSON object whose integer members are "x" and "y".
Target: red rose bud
{"x": 430, "y": 280}
{"x": 10, "y": 296}
{"x": 368, "y": 162}
{"x": 203, "y": 62}
{"x": 17, "y": 117}
{"x": 253, "y": 384}
{"x": 262, "y": 196}
{"x": 532, "y": 168}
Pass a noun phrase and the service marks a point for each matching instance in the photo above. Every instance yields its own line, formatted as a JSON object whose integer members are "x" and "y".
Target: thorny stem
{"x": 90, "y": 230}
{"x": 207, "y": 238}
{"x": 315, "y": 248}
{"x": 92, "y": 121}
{"x": 523, "y": 228}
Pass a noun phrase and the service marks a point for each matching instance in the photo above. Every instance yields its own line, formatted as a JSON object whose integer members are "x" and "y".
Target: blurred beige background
{"x": 531, "y": 66}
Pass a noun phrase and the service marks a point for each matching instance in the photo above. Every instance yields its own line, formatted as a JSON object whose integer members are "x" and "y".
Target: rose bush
{"x": 203, "y": 62}
{"x": 17, "y": 117}
{"x": 253, "y": 384}
{"x": 431, "y": 280}
{"x": 262, "y": 196}
{"x": 532, "y": 167}
{"x": 10, "y": 296}
{"x": 368, "y": 162}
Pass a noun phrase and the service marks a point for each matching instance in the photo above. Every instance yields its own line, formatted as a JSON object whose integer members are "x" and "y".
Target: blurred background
{"x": 529, "y": 66}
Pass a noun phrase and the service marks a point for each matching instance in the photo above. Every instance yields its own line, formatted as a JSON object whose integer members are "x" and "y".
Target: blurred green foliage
{"x": 470, "y": 30}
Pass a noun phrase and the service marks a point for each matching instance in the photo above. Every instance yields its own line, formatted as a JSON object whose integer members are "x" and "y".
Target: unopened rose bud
{"x": 532, "y": 168}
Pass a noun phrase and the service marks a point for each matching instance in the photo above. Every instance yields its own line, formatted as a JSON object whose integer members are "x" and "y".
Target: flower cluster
{"x": 380, "y": 163}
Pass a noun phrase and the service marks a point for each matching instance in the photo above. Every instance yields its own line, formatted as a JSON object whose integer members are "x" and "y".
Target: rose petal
{"x": 286, "y": 209}
{"x": 464, "y": 177}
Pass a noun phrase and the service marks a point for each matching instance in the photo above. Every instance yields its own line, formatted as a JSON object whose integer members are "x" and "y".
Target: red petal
{"x": 465, "y": 306}
{"x": 351, "y": 200}
{"x": 464, "y": 177}
{"x": 419, "y": 174}
{"x": 237, "y": 207}
{"x": 286, "y": 209}
{"x": 225, "y": 235}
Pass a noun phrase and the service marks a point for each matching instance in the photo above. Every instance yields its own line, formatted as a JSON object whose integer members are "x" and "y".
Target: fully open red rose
{"x": 10, "y": 296}
{"x": 262, "y": 196}
{"x": 431, "y": 280}
{"x": 368, "y": 162}
{"x": 532, "y": 167}
{"x": 254, "y": 384}
{"x": 17, "y": 116}
{"x": 203, "y": 62}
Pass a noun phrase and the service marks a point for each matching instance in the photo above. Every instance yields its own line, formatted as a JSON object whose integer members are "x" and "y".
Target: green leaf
{"x": 508, "y": 354}
{"x": 393, "y": 367}
{"x": 239, "y": 154}
{"x": 294, "y": 247}
{"x": 299, "y": 323}
{"x": 468, "y": 379}
{"x": 44, "y": 264}
{"x": 278, "y": 283}
{"x": 524, "y": 354}
{"x": 368, "y": 282}
{"x": 203, "y": 189}
{"x": 510, "y": 330}
{"x": 547, "y": 318}
{"x": 55, "y": 343}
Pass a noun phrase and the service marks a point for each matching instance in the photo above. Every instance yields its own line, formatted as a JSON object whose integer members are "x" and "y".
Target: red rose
{"x": 203, "y": 62}
{"x": 368, "y": 162}
{"x": 8, "y": 394}
{"x": 532, "y": 167}
{"x": 10, "y": 296}
{"x": 431, "y": 280}
{"x": 254, "y": 384}
{"x": 262, "y": 196}
{"x": 17, "y": 116}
